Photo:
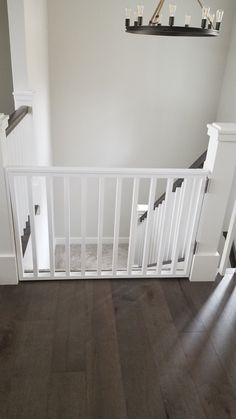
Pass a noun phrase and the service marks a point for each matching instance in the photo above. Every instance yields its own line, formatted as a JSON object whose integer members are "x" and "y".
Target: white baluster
{"x": 179, "y": 223}
{"x": 51, "y": 233}
{"x": 149, "y": 226}
{"x": 32, "y": 225}
{"x": 161, "y": 249}
{"x": 83, "y": 223}
{"x": 100, "y": 225}
{"x": 67, "y": 223}
{"x": 116, "y": 225}
{"x": 133, "y": 227}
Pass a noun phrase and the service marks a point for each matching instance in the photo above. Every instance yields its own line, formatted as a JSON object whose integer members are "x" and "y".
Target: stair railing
{"x": 75, "y": 182}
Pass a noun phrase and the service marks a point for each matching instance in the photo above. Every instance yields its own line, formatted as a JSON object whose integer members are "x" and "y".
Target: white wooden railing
{"x": 160, "y": 246}
{"x": 173, "y": 228}
{"x": 18, "y": 149}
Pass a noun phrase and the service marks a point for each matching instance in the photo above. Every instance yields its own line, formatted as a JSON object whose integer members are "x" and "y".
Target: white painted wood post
{"x": 221, "y": 162}
{"x": 8, "y": 270}
{"x": 229, "y": 242}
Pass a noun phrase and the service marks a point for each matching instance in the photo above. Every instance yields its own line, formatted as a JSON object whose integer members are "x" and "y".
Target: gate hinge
{"x": 195, "y": 247}
{"x": 207, "y": 185}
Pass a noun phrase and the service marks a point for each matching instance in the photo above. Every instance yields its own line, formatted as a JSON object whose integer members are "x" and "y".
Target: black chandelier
{"x": 210, "y": 23}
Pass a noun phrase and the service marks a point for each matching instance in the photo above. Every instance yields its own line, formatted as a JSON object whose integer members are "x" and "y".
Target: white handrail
{"x": 90, "y": 171}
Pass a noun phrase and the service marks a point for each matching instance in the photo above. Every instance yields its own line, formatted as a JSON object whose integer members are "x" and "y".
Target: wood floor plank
{"x": 67, "y": 396}
{"x": 5, "y": 389}
{"x": 69, "y": 346}
{"x": 210, "y": 353}
{"x": 105, "y": 394}
{"x": 184, "y": 320}
{"x": 41, "y": 301}
{"x": 180, "y": 395}
{"x": 33, "y": 352}
{"x": 139, "y": 372}
{"x": 28, "y": 398}
{"x": 13, "y": 303}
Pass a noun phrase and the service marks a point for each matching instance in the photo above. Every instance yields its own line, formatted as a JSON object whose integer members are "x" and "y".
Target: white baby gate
{"x": 79, "y": 218}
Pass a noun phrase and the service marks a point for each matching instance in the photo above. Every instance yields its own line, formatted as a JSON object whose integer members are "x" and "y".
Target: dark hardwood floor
{"x": 145, "y": 349}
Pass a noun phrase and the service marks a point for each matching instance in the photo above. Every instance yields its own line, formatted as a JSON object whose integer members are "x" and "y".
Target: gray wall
{"x": 124, "y": 100}
{"x": 6, "y": 88}
{"x": 227, "y": 105}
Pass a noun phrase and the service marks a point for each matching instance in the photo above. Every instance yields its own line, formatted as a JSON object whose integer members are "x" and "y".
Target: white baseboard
{"x": 91, "y": 240}
{"x": 204, "y": 267}
{"x": 8, "y": 270}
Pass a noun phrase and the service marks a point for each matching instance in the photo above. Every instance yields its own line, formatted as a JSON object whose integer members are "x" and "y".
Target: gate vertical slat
{"x": 192, "y": 183}
{"x": 83, "y": 223}
{"x": 133, "y": 227}
{"x": 16, "y": 223}
{"x": 32, "y": 225}
{"x": 116, "y": 225}
{"x": 172, "y": 223}
{"x": 176, "y": 244}
{"x": 161, "y": 246}
{"x": 150, "y": 215}
{"x": 158, "y": 213}
{"x": 51, "y": 233}
{"x": 67, "y": 223}
{"x": 100, "y": 225}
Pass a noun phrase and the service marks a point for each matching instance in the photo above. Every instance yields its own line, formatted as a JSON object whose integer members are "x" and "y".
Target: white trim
{"x": 225, "y": 128}
{"x": 91, "y": 172}
{"x": 23, "y": 98}
{"x": 91, "y": 240}
{"x": 3, "y": 122}
{"x": 204, "y": 267}
{"x": 8, "y": 270}
{"x": 222, "y": 132}
{"x": 104, "y": 275}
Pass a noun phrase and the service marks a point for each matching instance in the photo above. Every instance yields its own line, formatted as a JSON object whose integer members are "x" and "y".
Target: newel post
{"x": 8, "y": 269}
{"x": 221, "y": 162}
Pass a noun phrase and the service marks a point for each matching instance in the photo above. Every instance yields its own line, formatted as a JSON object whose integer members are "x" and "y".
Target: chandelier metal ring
{"x": 210, "y": 23}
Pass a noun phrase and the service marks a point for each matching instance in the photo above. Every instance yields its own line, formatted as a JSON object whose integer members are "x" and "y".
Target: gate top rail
{"x": 122, "y": 172}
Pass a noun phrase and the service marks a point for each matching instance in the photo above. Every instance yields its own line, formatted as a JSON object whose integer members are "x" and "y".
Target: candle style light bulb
{"x": 205, "y": 14}
{"x": 219, "y": 18}
{"x": 127, "y": 17}
{"x": 172, "y": 10}
{"x": 140, "y": 10}
{"x": 135, "y": 19}
{"x": 211, "y": 18}
{"x": 159, "y": 23}
{"x": 187, "y": 20}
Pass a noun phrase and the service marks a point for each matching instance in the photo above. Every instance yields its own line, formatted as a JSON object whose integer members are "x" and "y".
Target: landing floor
{"x": 147, "y": 349}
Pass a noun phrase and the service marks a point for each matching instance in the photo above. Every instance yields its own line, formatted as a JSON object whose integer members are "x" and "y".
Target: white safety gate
{"x": 85, "y": 223}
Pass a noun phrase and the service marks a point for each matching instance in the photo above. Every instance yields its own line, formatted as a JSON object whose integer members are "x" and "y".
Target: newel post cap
{"x": 222, "y": 131}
